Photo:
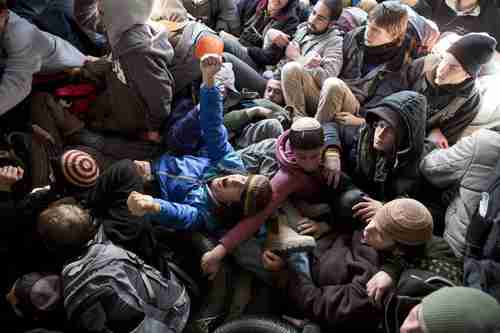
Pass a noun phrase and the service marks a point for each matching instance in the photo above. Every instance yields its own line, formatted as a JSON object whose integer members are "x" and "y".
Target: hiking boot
{"x": 242, "y": 294}
{"x": 202, "y": 325}
{"x": 311, "y": 327}
{"x": 281, "y": 239}
{"x": 212, "y": 308}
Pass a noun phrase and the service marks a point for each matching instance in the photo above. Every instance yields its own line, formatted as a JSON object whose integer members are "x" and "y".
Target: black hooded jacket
{"x": 388, "y": 178}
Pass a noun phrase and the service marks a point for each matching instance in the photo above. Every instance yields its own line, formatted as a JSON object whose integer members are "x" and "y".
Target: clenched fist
{"x": 140, "y": 204}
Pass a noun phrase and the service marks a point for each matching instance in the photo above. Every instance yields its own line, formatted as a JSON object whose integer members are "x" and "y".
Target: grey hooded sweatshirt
{"x": 26, "y": 50}
{"x": 142, "y": 86}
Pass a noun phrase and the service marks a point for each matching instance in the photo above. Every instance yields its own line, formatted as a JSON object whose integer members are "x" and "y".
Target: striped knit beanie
{"x": 79, "y": 168}
{"x": 406, "y": 221}
{"x": 257, "y": 194}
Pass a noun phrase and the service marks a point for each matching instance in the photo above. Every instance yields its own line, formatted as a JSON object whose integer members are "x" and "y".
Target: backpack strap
{"x": 149, "y": 287}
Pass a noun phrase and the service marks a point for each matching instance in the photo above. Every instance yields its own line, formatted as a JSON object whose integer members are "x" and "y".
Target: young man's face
{"x": 450, "y": 71}
{"x": 273, "y": 92}
{"x": 308, "y": 160}
{"x": 375, "y": 238}
{"x": 376, "y": 36}
{"x": 413, "y": 322}
{"x": 319, "y": 19}
{"x": 384, "y": 137}
{"x": 228, "y": 189}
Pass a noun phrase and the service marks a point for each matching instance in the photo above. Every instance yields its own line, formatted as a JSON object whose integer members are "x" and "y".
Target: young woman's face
{"x": 309, "y": 160}
{"x": 376, "y": 238}
{"x": 413, "y": 322}
{"x": 228, "y": 189}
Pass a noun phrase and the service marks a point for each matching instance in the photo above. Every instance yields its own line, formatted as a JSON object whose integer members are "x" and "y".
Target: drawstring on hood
{"x": 122, "y": 15}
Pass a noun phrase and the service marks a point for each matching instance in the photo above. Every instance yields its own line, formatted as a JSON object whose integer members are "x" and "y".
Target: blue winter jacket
{"x": 185, "y": 202}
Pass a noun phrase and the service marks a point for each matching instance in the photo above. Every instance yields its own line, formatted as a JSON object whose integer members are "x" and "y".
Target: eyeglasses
{"x": 383, "y": 124}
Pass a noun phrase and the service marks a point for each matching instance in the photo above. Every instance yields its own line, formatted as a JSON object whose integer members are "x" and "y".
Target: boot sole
{"x": 293, "y": 249}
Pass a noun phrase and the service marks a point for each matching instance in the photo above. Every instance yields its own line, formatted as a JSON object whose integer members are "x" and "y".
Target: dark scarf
{"x": 376, "y": 55}
{"x": 439, "y": 96}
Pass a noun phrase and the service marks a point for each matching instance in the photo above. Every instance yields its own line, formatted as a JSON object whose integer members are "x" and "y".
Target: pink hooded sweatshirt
{"x": 290, "y": 179}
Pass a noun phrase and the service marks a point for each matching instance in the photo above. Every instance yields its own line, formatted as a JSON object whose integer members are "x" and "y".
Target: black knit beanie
{"x": 473, "y": 50}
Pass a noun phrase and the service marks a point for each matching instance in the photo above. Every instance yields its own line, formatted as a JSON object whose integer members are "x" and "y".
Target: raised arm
{"x": 211, "y": 109}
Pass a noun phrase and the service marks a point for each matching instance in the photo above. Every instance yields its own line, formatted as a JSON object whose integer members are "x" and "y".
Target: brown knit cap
{"x": 406, "y": 221}
{"x": 257, "y": 195}
{"x": 306, "y": 133}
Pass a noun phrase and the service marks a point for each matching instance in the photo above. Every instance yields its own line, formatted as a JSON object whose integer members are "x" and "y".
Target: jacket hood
{"x": 121, "y": 15}
{"x": 284, "y": 153}
{"x": 411, "y": 108}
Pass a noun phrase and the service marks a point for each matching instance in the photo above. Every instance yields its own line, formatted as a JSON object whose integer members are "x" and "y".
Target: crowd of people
{"x": 177, "y": 165}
